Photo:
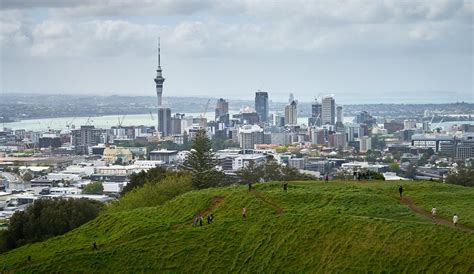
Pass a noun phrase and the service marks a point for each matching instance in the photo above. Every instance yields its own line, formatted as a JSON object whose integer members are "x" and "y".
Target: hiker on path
{"x": 250, "y": 186}
{"x": 200, "y": 220}
{"x": 400, "y": 189}
{"x": 244, "y": 213}
{"x": 455, "y": 219}
{"x": 327, "y": 178}
{"x": 196, "y": 220}
{"x": 208, "y": 219}
{"x": 94, "y": 246}
{"x": 212, "y": 218}
{"x": 433, "y": 212}
{"x": 285, "y": 187}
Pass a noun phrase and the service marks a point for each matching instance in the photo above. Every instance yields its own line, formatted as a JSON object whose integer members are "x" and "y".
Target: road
{"x": 11, "y": 177}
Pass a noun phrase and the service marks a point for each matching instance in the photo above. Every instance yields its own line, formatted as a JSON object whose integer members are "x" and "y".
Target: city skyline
{"x": 412, "y": 52}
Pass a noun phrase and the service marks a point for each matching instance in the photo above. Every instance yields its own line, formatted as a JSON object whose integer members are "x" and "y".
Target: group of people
{"x": 434, "y": 212}
{"x": 198, "y": 219}
{"x": 361, "y": 176}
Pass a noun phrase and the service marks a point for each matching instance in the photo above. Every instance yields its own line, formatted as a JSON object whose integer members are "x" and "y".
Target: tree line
{"x": 45, "y": 219}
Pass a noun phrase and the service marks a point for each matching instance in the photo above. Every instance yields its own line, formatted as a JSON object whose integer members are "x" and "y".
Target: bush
{"x": 154, "y": 194}
{"x": 47, "y": 218}
{"x": 93, "y": 188}
{"x": 153, "y": 175}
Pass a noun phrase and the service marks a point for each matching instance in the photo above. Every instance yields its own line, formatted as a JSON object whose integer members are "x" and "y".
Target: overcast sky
{"x": 361, "y": 51}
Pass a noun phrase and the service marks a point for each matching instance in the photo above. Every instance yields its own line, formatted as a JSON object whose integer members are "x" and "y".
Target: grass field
{"x": 314, "y": 227}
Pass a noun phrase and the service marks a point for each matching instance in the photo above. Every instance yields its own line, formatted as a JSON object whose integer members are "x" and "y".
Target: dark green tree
{"x": 47, "y": 218}
{"x": 251, "y": 173}
{"x": 153, "y": 175}
{"x": 461, "y": 175}
{"x": 202, "y": 163}
{"x": 93, "y": 188}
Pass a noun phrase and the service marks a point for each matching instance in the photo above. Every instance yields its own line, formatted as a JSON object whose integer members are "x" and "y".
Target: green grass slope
{"x": 314, "y": 227}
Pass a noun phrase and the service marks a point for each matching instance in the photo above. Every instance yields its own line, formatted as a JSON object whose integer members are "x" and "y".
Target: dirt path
{"x": 409, "y": 202}
{"x": 262, "y": 198}
{"x": 214, "y": 203}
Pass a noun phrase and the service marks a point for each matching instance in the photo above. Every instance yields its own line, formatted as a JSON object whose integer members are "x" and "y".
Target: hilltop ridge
{"x": 314, "y": 227}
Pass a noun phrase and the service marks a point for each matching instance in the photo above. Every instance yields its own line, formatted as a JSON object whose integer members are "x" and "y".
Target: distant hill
{"x": 314, "y": 227}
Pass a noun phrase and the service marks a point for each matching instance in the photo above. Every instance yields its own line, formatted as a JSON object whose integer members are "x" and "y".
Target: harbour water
{"x": 108, "y": 121}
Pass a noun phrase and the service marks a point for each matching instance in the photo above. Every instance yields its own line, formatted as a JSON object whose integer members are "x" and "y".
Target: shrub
{"x": 154, "y": 194}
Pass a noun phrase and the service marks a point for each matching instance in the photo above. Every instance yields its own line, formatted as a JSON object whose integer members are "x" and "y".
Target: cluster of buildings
{"x": 63, "y": 162}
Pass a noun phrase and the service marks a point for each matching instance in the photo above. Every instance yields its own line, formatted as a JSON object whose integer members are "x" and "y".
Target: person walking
{"x": 208, "y": 219}
{"x": 400, "y": 189}
{"x": 244, "y": 213}
{"x": 327, "y": 178}
{"x": 285, "y": 187}
{"x": 212, "y": 218}
{"x": 250, "y": 186}
{"x": 196, "y": 220}
{"x": 455, "y": 219}
{"x": 200, "y": 220}
{"x": 434, "y": 211}
{"x": 94, "y": 246}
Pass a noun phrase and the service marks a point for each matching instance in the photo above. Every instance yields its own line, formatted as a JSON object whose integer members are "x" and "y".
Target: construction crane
{"x": 120, "y": 121}
{"x": 89, "y": 121}
{"x": 203, "y": 115}
{"x": 69, "y": 124}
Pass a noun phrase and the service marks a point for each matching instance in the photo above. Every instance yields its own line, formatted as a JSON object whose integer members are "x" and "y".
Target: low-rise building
{"x": 167, "y": 156}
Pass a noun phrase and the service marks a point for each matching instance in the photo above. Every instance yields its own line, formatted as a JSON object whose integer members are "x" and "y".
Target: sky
{"x": 362, "y": 51}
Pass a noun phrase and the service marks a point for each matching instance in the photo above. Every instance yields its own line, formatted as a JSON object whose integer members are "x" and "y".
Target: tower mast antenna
{"x": 159, "y": 63}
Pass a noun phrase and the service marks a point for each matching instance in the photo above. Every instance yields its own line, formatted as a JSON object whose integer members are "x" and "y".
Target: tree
{"x": 202, "y": 163}
{"x": 394, "y": 167}
{"x": 461, "y": 175}
{"x": 93, "y": 188}
{"x": 47, "y": 218}
{"x": 410, "y": 171}
{"x": 378, "y": 142}
{"x": 250, "y": 173}
{"x": 272, "y": 170}
{"x": 27, "y": 176}
{"x": 153, "y": 175}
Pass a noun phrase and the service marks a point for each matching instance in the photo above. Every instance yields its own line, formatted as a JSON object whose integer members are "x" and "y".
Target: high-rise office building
{"x": 291, "y": 113}
{"x": 315, "y": 119}
{"x": 85, "y": 137}
{"x": 222, "y": 111}
{"x": 164, "y": 113}
{"x": 339, "y": 123}
{"x": 328, "y": 111}
{"x": 250, "y": 135}
{"x": 261, "y": 105}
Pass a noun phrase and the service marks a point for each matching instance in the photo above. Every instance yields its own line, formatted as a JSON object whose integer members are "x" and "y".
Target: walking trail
{"x": 419, "y": 211}
{"x": 269, "y": 202}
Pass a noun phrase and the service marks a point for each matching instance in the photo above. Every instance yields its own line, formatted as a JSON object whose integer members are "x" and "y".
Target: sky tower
{"x": 159, "y": 80}
{"x": 164, "y": 113}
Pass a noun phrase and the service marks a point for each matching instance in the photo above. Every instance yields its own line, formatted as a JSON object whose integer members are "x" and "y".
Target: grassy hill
{"x": 314, "y": 227}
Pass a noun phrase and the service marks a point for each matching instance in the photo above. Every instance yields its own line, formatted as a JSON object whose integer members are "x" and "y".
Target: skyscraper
{"x": 315, "y": 119}
{"x": 291, "y": 113}
{"x": 261, "y": 105}
{"x": 164, "y": 113}
{"x": 339, "y": 123}
{"x": 328, "y": 110}
{"x": 222, "y": 111}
